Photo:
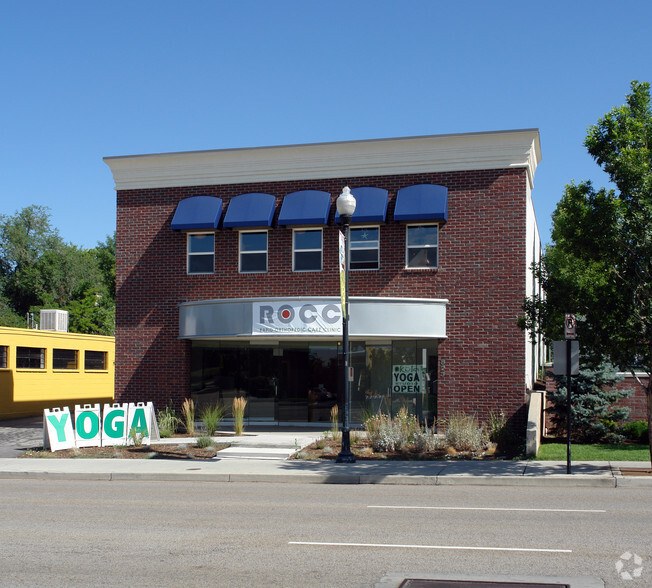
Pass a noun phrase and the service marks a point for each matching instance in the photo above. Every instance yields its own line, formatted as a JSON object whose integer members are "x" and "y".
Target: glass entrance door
{"x": 308, "y": 382}
{"x": 218, "y": 375}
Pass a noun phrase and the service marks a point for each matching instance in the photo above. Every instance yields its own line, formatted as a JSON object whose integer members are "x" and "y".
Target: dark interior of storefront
{"x": 300, "y": 382}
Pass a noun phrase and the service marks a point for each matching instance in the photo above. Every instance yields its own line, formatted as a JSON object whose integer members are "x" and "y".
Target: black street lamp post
{"x": 346, "y": 207}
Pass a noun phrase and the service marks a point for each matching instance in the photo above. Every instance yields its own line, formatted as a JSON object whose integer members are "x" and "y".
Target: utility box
{"x": 54, "y": 320}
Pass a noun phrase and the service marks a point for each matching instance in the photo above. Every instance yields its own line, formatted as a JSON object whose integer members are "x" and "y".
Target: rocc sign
{"x": 294, "y": 318}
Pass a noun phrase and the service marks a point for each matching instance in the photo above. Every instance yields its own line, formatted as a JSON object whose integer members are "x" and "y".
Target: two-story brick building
{"x": 228, "y": 276}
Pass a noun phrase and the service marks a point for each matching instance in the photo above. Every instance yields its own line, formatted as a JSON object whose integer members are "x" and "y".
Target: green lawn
{"x": 579, "y": 452}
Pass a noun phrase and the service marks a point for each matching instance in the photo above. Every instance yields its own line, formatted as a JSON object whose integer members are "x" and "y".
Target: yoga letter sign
{"x": 117, "y": 424}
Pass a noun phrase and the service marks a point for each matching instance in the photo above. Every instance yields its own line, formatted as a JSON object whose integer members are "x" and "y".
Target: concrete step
{"x": 235, "y": 452}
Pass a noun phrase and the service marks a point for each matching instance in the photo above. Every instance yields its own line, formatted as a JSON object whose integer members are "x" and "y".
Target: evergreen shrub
{"x": 594, "y": 413}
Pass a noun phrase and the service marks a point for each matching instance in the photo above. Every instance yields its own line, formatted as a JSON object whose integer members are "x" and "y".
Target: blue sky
{"x": 84, "y": 80}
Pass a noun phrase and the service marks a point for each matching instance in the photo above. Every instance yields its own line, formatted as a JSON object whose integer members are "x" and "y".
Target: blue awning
{"x": 307, "y": 207}
{"x": 250, "y": 210}
{"x": 197, "y": 212}
{"x": 370, "y": 205}
{"x": 422, "y": 202}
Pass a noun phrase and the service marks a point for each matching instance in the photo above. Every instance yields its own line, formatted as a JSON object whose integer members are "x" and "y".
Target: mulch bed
{"x": 155, "y": 451}
{"x": 328, "y": 448}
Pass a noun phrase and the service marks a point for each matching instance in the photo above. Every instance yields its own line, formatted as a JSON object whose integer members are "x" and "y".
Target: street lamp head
{"x": 345, "y": 203}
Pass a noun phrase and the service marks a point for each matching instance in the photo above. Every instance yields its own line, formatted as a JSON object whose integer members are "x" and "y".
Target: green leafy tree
{"x": 38, "y": 270}
{"x": 64, "y": 274}
{"x": 599, "y": 265}
{"x": 92, "y": 313}
{"x": 24, "y": 239}
{"x": 105, "y": 255}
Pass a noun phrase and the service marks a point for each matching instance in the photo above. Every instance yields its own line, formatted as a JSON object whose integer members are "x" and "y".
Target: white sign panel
{"x": 296, "y": 318}
{"x": 140, "y": 417}
{"x": 408, "y": 379}
{"x": 88, "y": 426}
{"x": 114, "y": 424}
{"x": 95, "y": 429}
{"x": 58, "y": 433}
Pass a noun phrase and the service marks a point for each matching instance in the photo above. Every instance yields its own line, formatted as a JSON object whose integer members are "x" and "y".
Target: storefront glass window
{"x": 302, "y": 381}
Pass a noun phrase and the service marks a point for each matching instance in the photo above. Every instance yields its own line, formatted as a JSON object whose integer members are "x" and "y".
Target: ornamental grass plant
{"x": 238, "y": 410}
{"x": 204, "y": 441}
{"x": 211, "y": 415}
{"x": 188, "y": 412}
{"x": 168, "y": 422}
{"x": 427, "y": 440}
{"x": 464, "y": 433}
{"x": 335, "y": 419}
{"x": 391, "y": 434}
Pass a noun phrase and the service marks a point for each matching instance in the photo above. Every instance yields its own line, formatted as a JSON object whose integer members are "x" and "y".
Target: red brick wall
{"x": 482, "y": 271}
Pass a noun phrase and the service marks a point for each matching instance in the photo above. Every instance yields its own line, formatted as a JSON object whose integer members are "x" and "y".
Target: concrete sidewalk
{"x": 495, "y": 473}
{"x": 261, "y": 456}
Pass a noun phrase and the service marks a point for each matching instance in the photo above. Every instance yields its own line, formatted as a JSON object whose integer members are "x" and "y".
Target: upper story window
{"x": 201, "y": 253}
{"x": 64, "y": 359}
{"x": 30, "y": 358}
{"x": 3, "y": 356}
{"x": 253, "y": 251}
{"x": 365, "y": 246}
{"x": 422, "y": 245}
{"x": 95, "y": 360}
{"x": 307, "y": 250}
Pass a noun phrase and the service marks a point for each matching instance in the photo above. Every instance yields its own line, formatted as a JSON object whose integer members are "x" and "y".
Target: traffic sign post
{"x": 569, "y": 335}
{"x": 567, "y": 362}
{"x": 569, "y": 326}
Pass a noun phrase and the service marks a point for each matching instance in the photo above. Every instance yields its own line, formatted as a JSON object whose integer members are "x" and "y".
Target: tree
{"x": 105, "y": 255}
{"x": 38, "y": 270}
{"x": 24, "y": 239}
{"x": 594, "y": 409}
{"x": 599, "y": 264}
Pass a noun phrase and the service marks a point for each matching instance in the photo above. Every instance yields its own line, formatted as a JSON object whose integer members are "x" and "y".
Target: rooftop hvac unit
{"x": 54, "y": 320}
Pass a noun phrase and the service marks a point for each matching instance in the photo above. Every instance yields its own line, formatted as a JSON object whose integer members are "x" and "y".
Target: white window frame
{"x": 190, "y": 254}
{"x": 407, "y": 246}
{"x": 320, "y": 249}
{"x": 376, "y": 248}
{"x": 256, "y": 251}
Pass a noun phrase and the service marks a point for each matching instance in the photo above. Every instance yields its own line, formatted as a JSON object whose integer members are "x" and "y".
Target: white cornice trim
{"x": 379, "y": 157}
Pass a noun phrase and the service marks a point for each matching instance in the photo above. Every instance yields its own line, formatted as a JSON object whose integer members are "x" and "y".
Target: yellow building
{"x": 46, "y": 369}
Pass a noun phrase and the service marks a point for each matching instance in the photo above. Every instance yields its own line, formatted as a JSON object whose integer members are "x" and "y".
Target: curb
{"x": 335, "y": 478}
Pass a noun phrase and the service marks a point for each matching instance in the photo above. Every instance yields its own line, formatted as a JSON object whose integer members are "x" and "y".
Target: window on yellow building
{"x": 32, "y": 358}
{"x": 64, "y": 359}
{"x": 95, "y": 360}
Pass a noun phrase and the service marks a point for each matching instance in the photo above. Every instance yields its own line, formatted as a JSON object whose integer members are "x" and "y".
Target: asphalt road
{"x": 74, "y": 533}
